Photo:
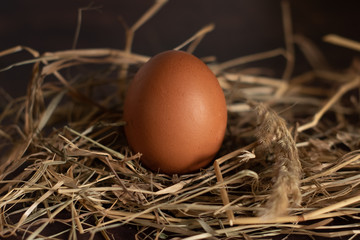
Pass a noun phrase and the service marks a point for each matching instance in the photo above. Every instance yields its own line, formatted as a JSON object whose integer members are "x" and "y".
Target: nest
{"x": 289, "y": 164}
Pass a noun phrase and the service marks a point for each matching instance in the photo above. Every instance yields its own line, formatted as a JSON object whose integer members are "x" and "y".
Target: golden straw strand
{"x": 345, "y": 88}
{"x": 223, "y": 192}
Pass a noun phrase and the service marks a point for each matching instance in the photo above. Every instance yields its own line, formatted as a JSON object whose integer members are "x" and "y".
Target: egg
{"x": 175, "y": 113}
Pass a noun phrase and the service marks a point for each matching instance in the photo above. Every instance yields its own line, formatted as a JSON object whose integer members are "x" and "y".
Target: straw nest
{"x": 290, "y": 161}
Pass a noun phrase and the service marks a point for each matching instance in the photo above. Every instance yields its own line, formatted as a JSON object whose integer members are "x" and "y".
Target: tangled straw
{"x": 65, "y": 152}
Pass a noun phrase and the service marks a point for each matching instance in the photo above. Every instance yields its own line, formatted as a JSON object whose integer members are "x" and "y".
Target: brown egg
{"x": 175, "y": 113}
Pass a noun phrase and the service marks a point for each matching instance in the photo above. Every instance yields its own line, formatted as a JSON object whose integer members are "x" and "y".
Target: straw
{"x": 289, "y": 163}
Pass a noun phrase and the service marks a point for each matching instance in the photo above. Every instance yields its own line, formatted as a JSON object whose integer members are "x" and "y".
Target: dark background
{"x": 243, "y": 27}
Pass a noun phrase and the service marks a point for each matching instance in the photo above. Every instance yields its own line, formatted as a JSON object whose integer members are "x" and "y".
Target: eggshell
{"x": 175, "y": 113}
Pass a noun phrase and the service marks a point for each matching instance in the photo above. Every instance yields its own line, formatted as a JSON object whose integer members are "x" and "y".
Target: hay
{"x": 294, "y": 172}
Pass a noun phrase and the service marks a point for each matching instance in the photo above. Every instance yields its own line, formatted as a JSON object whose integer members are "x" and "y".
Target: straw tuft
{"x": 276, "y": 138}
